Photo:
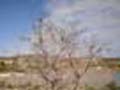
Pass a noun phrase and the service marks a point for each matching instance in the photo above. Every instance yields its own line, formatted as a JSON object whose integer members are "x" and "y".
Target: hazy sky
{"x": 101, "y": 16}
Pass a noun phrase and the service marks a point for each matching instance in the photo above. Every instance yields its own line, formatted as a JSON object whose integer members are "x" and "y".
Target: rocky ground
{"x": 35, "y": 73}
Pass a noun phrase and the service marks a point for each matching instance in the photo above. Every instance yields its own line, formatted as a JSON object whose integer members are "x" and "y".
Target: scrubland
{"x": 35, "y": 73}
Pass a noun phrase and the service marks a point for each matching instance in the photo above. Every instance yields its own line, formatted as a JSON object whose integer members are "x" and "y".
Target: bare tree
{"x": 50, "y": 39}
{"x": 94, "y": 50}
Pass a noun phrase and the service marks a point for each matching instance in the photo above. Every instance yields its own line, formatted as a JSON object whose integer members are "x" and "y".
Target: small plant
{"x": 111, "y": 86}
{"x": 2, "y": 66}
{"x": 87, "y": 87}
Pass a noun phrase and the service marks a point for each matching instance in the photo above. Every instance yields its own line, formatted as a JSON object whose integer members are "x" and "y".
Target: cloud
{"x": 102, "y": 16}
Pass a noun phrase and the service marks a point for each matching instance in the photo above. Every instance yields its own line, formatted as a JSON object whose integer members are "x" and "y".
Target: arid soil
{"x": 36, "y": 73}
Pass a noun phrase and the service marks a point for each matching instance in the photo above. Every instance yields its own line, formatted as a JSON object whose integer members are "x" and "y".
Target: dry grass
{"x": 35, "y": 73}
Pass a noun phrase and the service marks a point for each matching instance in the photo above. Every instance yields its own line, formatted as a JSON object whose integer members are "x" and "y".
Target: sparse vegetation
{"x": 58, "y": 75}
{"x": 47, "y": 70}
{"x": 53, "y": 65}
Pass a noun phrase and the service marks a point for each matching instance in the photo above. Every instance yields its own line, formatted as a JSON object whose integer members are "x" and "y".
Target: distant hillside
{"x": 100, "y": 61}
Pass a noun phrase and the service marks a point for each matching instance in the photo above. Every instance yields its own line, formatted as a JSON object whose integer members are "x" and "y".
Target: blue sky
{"x": 16, "y": 17}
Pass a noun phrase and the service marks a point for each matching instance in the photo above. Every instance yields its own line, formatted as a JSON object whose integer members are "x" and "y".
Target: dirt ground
{"x": 39, "y": 74}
